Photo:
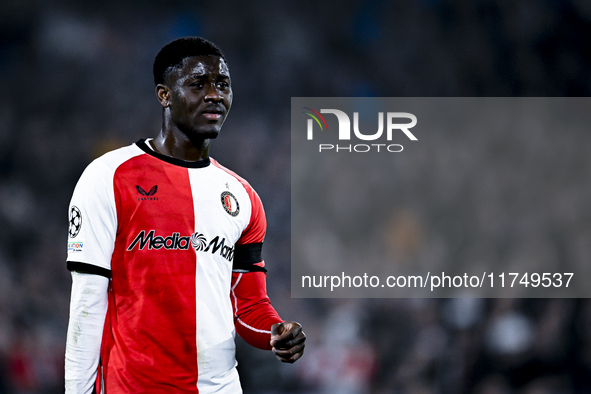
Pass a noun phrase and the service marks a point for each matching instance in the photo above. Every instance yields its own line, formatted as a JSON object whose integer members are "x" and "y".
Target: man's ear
{"x": 163, "y": 95}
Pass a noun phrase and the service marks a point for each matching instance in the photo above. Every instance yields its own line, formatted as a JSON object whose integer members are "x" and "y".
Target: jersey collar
{"x": 177, "y": 162}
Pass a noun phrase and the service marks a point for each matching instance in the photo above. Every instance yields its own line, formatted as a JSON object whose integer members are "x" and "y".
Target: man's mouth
{"x": 212, "y": 115}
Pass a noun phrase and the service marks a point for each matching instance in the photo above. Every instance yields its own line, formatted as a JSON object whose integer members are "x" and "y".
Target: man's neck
{"x": 180, "y": 146}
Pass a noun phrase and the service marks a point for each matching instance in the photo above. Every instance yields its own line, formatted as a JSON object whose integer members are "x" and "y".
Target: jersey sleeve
{"x": 253, "y": 313}
{"x": 93, "y": 221}
{"x": 88, "y": 308}
{"x": 248, "y": 250}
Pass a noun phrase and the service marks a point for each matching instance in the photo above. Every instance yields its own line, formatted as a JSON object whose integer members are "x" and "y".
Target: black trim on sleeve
{"x": 177, "y": 162}
{"x": 246, "y": 256}
{"x": 86, "y": 268}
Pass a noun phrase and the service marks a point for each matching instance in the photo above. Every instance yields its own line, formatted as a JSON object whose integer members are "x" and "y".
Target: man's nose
{"x": 212, "y": 93}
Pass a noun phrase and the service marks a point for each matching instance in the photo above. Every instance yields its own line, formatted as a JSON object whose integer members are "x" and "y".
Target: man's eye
{"x": 197, "y": 84}
{"x": 223, "y": 85}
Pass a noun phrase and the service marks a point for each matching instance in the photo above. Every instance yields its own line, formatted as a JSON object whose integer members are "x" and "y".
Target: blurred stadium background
{"x": 76, "y": 82}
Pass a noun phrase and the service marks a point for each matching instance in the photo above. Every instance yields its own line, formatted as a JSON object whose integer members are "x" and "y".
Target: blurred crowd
{"x": 77, "y": 82}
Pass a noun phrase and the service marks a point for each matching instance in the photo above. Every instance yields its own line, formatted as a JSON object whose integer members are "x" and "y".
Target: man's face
{"x": 200, "y": 96}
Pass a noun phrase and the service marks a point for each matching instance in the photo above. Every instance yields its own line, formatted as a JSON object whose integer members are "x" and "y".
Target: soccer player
{"x": 164, "y": 249}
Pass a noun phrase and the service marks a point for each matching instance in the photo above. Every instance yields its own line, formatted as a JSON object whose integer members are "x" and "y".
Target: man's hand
{"x": 288, "y": 341}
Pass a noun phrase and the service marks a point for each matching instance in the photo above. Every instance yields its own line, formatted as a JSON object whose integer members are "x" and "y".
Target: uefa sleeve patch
{"x": 75, "y": 246}
{"x": 75, "y": 221}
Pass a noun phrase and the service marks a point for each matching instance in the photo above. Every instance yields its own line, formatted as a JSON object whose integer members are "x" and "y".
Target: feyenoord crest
{"x": 75, "y": 221}
{"x": 230, "y": 203}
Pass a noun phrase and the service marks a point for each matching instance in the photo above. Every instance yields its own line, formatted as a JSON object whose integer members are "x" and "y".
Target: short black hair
{"x": 173, "y": 54}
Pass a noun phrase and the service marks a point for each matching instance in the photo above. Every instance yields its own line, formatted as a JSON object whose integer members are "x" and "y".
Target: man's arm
{"x": 88, "y": 308}
{"x": 258, "y": 323}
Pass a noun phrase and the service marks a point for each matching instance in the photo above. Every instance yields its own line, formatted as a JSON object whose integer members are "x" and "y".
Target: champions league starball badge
{"x": 230, "y": 203}
{"x": 75, "y": 221}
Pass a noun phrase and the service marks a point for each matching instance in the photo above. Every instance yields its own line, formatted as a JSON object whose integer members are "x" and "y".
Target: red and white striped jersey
{"x": 181, "y": 242}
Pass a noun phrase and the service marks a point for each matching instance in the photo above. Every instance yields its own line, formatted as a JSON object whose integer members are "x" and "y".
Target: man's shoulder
{"x": 119, "y": 155}
{"x": 101, "y": 171}
{"x": 252, "y": 194}
{"x": 231, "y": 173}
{"x": 111, "y": 160}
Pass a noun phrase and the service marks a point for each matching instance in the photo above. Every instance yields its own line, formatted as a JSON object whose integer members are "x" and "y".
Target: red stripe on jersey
{"x": 255, "y": 231}
{"x": 149, "y": 342}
